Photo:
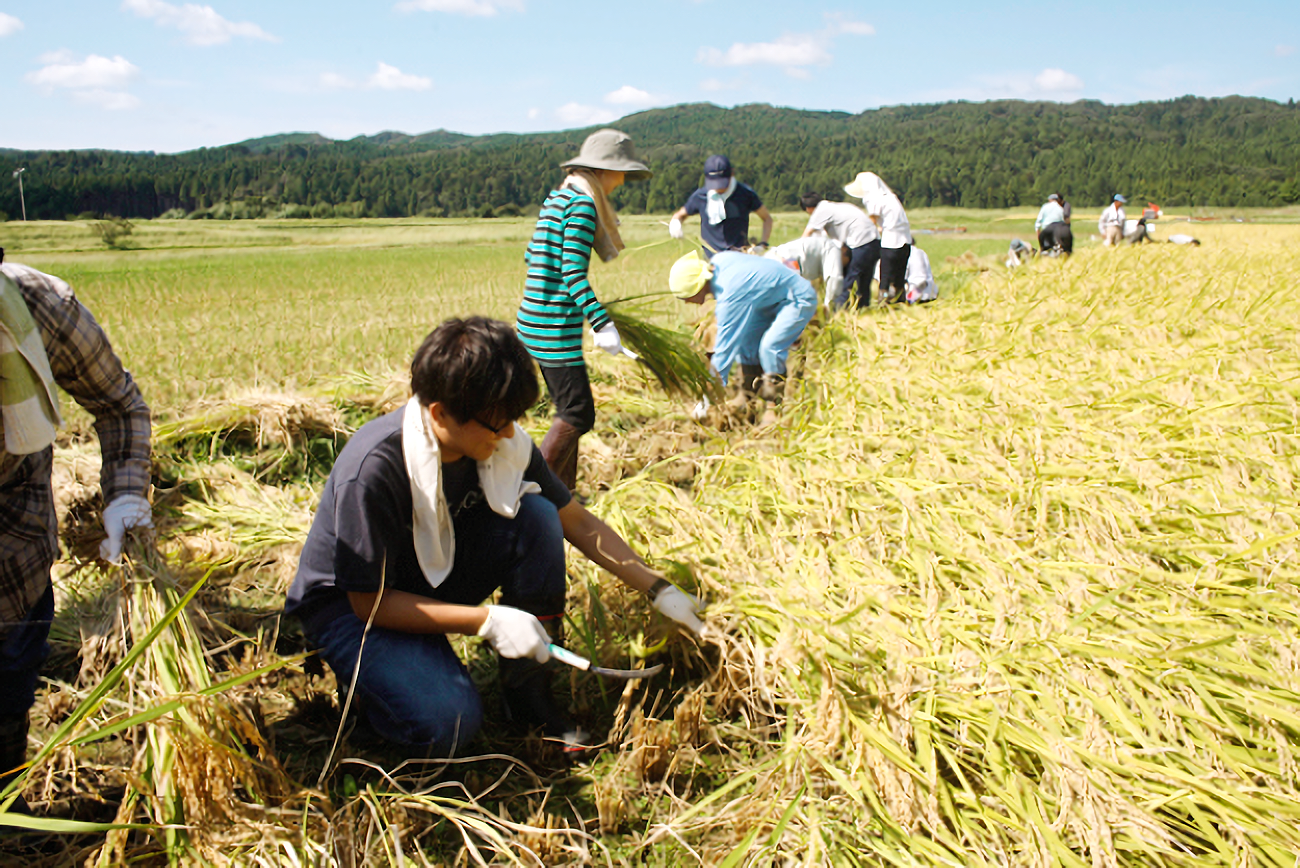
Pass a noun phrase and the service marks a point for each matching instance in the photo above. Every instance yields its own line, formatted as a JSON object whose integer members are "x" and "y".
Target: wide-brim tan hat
{"x": 611, "y": 150}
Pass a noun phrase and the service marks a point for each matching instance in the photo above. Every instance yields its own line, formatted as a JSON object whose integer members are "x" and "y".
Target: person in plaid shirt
{"x": 81, "y": 361}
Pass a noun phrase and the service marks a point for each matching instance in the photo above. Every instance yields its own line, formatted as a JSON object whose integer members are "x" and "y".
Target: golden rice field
{"x": 1011, "y": 582}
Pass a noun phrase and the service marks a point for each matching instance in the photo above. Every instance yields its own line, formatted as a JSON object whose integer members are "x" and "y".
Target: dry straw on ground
{"x": 1013, "y": 582}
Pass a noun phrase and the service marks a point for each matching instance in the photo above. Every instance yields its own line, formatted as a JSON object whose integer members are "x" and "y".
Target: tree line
{"x": 1232, "y": 151}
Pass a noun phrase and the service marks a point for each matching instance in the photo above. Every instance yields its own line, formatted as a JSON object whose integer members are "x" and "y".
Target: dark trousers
{"x": 893, "y": 272}
{"x": 412, "y": 687}
{"x": 1054, "y": 234}
{"x": 22, "y": 651}
{"x": 575, "y": 415}
{"x": 862, "y": 269}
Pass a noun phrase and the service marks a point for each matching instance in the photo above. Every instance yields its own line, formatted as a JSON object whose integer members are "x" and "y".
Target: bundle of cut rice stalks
{"x": 668, "y": 355}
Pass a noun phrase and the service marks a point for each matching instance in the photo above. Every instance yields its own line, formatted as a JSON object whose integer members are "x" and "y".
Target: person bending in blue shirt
{"x": 762, "y": 309}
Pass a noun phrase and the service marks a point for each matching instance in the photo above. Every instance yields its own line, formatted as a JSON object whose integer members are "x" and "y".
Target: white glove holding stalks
{"x": 515, "y": 633}
{"x": 675, "y": 229}
{"x": 606, "y": 337}
{"x": 125, "y": 512}
{"x": 683, "y": 608}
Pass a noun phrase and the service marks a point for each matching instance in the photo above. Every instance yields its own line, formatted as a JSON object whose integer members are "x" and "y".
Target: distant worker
{"x": 724, "y": 205}
{"x": 576, "y": 218}
{"x": 920, "y": 279}
{"x": 762, "y": 309}
{"x": 848, "y": 224}
{"x": 1111, "y": 224}
{"x": 1184, "y": 239}
{"x": 1054, "y": 235}
{"x": 818, "y": 257}
{"x": 886, "y": 211}
{"x": 48, "y": 338}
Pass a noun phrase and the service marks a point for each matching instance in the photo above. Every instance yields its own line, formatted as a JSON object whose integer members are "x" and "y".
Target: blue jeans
{"x": 23, "y": 650}
{"x": 412, "y": 687}
{"x": 861, "y": 271}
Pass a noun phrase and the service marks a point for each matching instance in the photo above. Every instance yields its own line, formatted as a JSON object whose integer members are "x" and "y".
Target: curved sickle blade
{"x": 564, "y": 655}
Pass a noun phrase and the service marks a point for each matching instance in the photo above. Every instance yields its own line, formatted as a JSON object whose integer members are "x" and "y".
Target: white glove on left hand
{"x": 675, "y": 229}
{"x": 125, "y": 512}
{"x": 680, "y": 606}
{"x": 607, "y": 339}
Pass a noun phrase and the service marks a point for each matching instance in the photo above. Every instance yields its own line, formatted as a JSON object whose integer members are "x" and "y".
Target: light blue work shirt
{"x": 763, "y": 307}
{"x": 1050, "y": 213}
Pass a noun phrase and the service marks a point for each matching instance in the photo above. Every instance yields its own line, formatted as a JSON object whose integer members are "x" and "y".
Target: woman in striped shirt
{"x": 575, "y": 219}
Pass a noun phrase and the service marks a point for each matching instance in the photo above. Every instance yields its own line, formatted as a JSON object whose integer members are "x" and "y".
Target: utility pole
{"x": 18, "y": 173}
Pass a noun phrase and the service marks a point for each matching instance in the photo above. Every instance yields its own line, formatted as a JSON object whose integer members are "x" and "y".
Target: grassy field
{"x": 1012, "y": 582}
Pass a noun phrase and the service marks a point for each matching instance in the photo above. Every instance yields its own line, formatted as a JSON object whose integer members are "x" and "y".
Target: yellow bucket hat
{"x": 689, "y": 274}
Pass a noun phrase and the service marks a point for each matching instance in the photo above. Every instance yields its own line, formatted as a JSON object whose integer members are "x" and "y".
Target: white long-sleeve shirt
{"x": 844, "y": 222}
{"x": 816, "y": 258}
{"x": 1113, "y": 216}
{"x": 895, "y": 230}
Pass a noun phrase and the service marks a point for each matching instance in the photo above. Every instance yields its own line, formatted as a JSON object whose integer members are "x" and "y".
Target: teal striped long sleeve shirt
{"x": 557, "y": 294}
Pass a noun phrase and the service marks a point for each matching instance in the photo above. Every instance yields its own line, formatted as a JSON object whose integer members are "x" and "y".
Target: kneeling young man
{"x": 429, "y": 510}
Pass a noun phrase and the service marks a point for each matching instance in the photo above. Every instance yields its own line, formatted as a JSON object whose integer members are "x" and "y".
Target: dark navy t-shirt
{"x": 362, "y": 532}
{"x": 733, "y": 232}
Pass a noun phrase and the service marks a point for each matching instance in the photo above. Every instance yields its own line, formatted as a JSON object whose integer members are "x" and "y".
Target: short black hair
{"x": 474, "y": 366}
{"x": 810, "y": 199}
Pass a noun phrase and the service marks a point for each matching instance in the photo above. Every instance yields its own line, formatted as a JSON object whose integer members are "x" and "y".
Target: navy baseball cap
{"x": 717, "y": 172}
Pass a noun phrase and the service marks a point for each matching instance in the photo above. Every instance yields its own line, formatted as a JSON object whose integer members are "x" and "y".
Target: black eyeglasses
{"x": 495, "y": 429}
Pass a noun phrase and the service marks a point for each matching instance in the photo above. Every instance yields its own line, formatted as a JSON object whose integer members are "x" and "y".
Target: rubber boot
{"x": 560, "y": 449}
{"x": 13, "y": 754}
{"x": 771, "y": 388}
{"x": 749, "y": 377}
{"x": 528, "y": 696}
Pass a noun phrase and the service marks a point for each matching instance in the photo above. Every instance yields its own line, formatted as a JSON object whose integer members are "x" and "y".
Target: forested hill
{"x": 1188, "y": 151}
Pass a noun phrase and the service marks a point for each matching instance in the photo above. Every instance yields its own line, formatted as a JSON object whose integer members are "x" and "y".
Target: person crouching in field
{"x": 848, "y": 224}
{"x": 429, "y": 510}
{"x": 48, "y": 338}
{"x": 818, "y": 257}
{"x": 576, "y": 218}
{"x": 1054, "y": 235}
{"x": 762, "y": 309}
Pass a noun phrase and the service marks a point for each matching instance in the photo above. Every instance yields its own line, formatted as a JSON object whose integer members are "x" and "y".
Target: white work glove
{"x": 606, "y": 337}
{"x": 675, "y": 229}
{"x": 515, "y": 633}
{"x": 700, "y": 411}
{"x": 683, "y": 608}
{"x": 125, "y": 512}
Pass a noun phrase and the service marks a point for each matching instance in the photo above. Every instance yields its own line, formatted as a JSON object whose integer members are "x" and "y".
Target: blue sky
{"x": 172, "y": 76}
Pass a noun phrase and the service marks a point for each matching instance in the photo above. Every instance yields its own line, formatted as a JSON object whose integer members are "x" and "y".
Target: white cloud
{"x": 96, "y": 80}
{"x": 1280, "y": 51}
{"x": 473, "y": 8}
{"x": 200, "y": 24}
{"x": 391, "y": 78}
{"x": 792, "y": 50}
{"x": 9, "y": 25}
{"x": 534, "y": 114}
{"x": 1053, "y": 80}
{"x": 857, "y": 28}
{"x": 631, "y": 96}
{"x": 584, "y": 115}
{"x": 111, "y": 100}
{"x": 334, "y": 81}
{"x": 94, "y": 72}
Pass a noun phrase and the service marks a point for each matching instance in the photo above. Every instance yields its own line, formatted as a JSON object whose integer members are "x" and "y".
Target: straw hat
{"x": 612, "y": 150}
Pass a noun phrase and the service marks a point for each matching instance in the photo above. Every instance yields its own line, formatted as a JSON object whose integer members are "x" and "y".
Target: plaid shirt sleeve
{"x": 85, "y": 367}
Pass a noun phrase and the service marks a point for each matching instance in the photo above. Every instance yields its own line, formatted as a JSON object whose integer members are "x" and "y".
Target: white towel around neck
{"x": 501, "y": 478}
{"x": 715, "y": 202}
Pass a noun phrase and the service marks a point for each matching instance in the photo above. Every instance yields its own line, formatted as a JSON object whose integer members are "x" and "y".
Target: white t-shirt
{"x": 895, "y": 231}
{"x": 844, "y": 222}
{"x": 816, "y": 258}
{"x": 919, "y": 277}
{"x": 1112, "y": 216}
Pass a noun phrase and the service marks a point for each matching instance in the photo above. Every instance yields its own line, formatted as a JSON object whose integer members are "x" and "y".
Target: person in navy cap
{"x": 724, "y": 205}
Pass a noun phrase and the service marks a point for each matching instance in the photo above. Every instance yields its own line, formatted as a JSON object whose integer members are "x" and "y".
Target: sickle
{"x": 564, "y": 655}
